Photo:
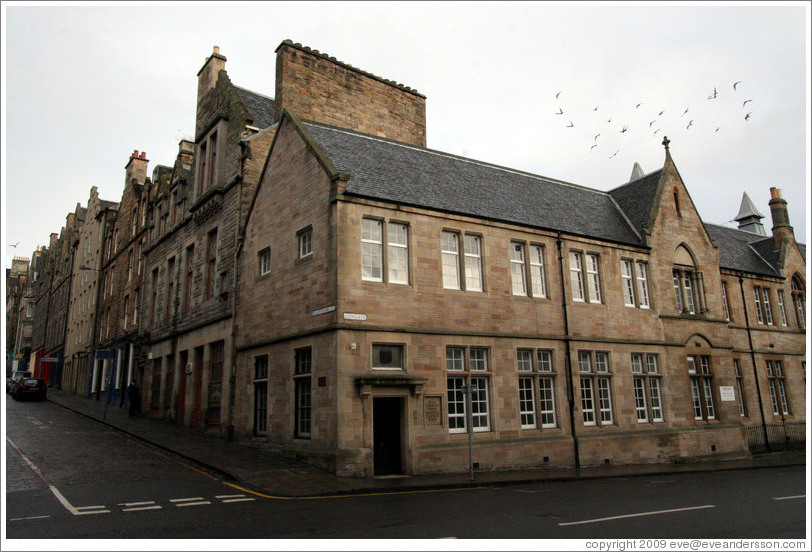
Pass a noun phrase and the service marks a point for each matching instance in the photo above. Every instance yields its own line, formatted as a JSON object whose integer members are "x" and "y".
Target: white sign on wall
{"x": 726, "y": 393}
{"x": 352, "y": 316}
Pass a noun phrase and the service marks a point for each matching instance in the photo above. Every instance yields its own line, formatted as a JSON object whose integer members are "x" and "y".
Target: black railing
{"x": 777, "y": 436}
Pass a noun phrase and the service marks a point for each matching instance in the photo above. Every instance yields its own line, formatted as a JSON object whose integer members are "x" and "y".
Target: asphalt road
{"x": 68, "y": 477}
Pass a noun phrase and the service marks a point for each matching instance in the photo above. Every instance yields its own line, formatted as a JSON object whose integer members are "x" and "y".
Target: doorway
{"x": 386, "y": 424}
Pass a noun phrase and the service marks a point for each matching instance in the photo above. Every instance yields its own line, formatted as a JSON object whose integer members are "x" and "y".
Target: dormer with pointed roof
{"x": 749, "y": 218}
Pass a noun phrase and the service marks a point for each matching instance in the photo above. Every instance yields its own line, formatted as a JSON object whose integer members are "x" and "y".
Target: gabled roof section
{"x": 637, "y": 198}
{"x": 744, "y": 251}
{"x": 261, "y": 109}
{"x": 405, "y": 174}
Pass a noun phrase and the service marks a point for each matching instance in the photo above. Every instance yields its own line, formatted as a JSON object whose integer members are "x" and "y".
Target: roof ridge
{"x": 252, "y": 92}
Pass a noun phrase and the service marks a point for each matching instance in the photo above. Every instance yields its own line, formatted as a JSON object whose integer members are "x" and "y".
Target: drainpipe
{"x": 567, "y": 355}
{"x": 753, "y": 359}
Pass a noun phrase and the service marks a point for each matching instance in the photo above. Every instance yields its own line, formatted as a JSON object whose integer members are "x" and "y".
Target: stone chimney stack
{"x": 782, "y": 230}
{"x": 136, "y": 167}
{"x": 207, "y": 76}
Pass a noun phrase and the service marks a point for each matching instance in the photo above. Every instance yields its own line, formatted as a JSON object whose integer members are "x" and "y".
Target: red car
{"x": 33, "y": 388}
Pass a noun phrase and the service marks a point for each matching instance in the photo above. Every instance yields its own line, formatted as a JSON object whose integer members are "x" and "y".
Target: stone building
{"x": 81, "y": 317}
{"x": 119, "y": 292}
{"x": 15, "y": 291}
{"x": 391, "y": 297}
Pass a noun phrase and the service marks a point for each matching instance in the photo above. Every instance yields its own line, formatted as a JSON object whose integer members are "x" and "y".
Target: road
{"x": 68, "y": 477}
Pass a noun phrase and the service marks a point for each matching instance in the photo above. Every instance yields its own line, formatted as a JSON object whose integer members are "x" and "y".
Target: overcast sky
{"x": 84, "y": 86}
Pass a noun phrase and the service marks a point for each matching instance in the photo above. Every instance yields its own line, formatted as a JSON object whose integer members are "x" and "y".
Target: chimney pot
{"x": 143, "y": 155}
{"x": 216, "y": 49}
{"x": 775, "y": 193}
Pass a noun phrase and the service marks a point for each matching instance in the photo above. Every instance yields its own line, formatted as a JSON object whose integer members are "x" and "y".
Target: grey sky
{"x": 85, "y": 86}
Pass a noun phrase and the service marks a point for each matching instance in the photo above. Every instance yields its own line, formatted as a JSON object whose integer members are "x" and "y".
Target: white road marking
{"x": 234, "y": 498}
{"x": 201, "y": 503}
{"x": 64, "y": 501}
{"x": 138, "y": 506}
{"x": 27, "y": 518}
{"x": 196, "y": 501}
{"x": 654, "y": 513}
{"x": 789, "y": 497}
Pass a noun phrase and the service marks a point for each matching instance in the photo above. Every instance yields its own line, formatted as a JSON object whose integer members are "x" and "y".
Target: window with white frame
{"x": 596, "y": 388}
{"x": 739, "y": 388}
{"x": 778, "y": 391}
{"x": 305, "y": 240}
{"x": 724, "y": 301}
{"x": 699, "y": 372}
{"x": 468, "y": 264}
{"x": 763, "y": 308}
{"x": 782, "y": 309}
{"x": 524, "y": 267}
{"x": 374, "y": 233}
{"x": 467, "y": 368}
{"x": 536, "y": 377}
{"x": 628, "y": 282}
{"x": 585, "y": 277}
{"x": 647, "y": 387}
{"x": 265, "y": 261}
{"x": 634, "y": 277}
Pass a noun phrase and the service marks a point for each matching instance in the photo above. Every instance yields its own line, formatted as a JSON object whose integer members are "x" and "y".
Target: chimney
{"x": 207, "y": 76}
{"x": 136, "y": 168}
{"x": 778, "y": 209}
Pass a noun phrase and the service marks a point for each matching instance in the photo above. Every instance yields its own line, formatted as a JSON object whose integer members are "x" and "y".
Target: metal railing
{"x": 777, "y": 436}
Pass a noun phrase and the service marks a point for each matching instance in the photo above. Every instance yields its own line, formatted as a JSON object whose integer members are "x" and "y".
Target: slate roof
{"x": 637, "y": 198}
{"x": 745, "y": 251}
{"x": 408, "y": 175}
{"x": 261, "y": 109}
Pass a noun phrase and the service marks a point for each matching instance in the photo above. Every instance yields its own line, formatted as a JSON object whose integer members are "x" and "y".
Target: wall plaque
{"x": 433, "y": 410}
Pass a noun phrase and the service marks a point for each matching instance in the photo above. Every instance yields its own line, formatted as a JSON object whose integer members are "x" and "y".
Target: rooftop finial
{"x": 666, "y": 141}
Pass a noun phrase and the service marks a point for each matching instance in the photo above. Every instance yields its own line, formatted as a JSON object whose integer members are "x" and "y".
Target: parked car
{"x": 15, "y": 377}
{"x": 33, "y": 388}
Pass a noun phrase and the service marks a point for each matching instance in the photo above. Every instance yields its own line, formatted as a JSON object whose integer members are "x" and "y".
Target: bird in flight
{"x": 613, "y": 154}
{"x": 638, "y": 105}
{"x": 570, "y": 125}
{"x": 596, "y": 136}
{"x": 625, "y": 128}
{"x": 735, "y": 84}
{"x": 596, "y": 108}
{"x": 684, "y": 112}
{"x": 652, "y": 122}
{"x": 655, "y": 132}
{"x": 661, "y": 112}
{"x": 593, "y": 147}
{"x": 689, "y": 124}
{"x": 610, "y": 120}
{"x": 556, "y": 96}
{"x": 559, "y": 112}
{"x": 717, "y": 129}
{"x": 747, "y": 117}
{"x": 713, "y": 96}
{"x": 14, "y": 245}
{"x": 745, "y": 102}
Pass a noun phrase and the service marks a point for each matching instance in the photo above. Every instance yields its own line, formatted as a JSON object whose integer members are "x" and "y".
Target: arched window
{"x": 676, "y": 202}
{"x": 688, "y": 283}
{"x": 799, "y": 300}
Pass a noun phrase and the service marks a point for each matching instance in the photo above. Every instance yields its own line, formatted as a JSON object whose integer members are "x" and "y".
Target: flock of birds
{"x": 653, "y": 125}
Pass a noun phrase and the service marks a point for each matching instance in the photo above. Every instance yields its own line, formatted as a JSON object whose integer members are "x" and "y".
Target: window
{"x": 174, "y": 218}
{"x": 763, "y": 309}
{"x": 138, "y": 254}
{"x": 170, "y": 286}
{"x": 372, "y": 250}
{"x": 398, "y": 253}
{"x": 302, "y": 390}
{"x": 724, "y": 301}
{"x": 676, "y": 203}
{"x": 264, "y": 261}
{"x": 187, "y": 285}
{"x": 739, "y": 388}
{"x": 135, "y": 221}
{"x": 130, "y": 265}
{"x": 126, "y": 310}
{"x": 684, "y": 290}
{"x": 628, "y": 285}
{"x": 536, "y": 374}
{"x": 595, "y": 382}
{"x": 387, "y": 357}
{"x": 261, "y": 395}
{"x": 521, "y": 266}
{"x": 305, "y": 242}
{"x": 782, "y": 309}
{"x": 634, "y": 275}
{"x": 646, "y": 380}
{"x": 778, "y": 392}
{"x": 211, "y": 263}
{"x": 469, "y": 264}
{"x": 154, "y": 302}
{"x": 585, "y": 277}
{"x": 217, "y": 355}
{"x": 135, "y": 308}
{"x": 699, "y": 372}
{"x": 799, "y": 301}
{"x": 473, "y": 262}
{"x": 208, "y": 163}
{"x": 462, "y": 379}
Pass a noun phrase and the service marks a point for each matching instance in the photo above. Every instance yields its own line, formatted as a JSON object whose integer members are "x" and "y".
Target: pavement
{"x": 275, "y": 476}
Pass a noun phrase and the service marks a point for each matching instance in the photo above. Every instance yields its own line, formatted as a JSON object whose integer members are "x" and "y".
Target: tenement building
{"x": 395, "y": 301}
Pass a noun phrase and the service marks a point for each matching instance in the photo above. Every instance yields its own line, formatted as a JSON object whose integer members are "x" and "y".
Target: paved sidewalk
{"x": 272, "y": 475}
